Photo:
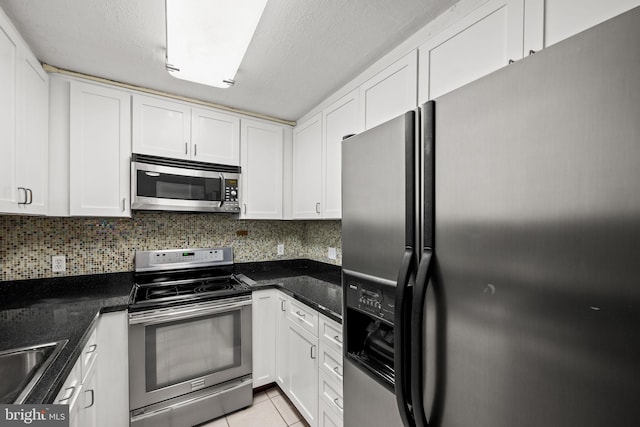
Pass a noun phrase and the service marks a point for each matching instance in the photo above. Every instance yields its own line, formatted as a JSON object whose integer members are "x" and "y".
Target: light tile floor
{"x": 270, "y": 408}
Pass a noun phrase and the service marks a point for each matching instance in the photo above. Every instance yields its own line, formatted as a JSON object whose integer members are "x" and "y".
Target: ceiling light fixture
{"x": 207, "y": 39}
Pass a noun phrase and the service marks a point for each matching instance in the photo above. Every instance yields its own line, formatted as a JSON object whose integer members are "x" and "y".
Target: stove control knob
{"x": 234, "y": 193}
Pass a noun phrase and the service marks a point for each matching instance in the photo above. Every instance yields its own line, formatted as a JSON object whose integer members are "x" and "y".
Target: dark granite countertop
{"x": 316, "y": 284}
{"x": 34, "y": 312}
{"x": 41, "y": 311}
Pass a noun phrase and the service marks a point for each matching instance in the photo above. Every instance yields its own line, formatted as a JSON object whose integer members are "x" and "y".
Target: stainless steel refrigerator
{"x": 491, "y": 248}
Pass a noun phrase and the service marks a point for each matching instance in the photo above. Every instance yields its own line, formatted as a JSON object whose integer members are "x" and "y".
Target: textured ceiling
{"x": 303, "y": 50}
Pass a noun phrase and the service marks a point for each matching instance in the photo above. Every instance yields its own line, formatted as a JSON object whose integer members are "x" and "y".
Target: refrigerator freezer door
{"x": 375, "y": 198}
{"x": 538, "y": 237}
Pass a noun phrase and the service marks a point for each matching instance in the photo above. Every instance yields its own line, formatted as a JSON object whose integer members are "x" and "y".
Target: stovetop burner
{"x": 200, "y": 279}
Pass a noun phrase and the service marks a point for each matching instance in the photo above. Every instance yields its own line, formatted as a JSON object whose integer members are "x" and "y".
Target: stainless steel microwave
{"x": 159, "y": 183}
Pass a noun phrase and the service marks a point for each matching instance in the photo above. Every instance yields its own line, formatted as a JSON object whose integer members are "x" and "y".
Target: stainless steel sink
{"x": 21, "y": 368}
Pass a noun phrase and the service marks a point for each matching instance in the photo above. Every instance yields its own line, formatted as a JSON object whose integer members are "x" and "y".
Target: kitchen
{"x": 297, "y": 182}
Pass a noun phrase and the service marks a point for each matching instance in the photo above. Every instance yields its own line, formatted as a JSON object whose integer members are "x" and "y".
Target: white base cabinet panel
{"x": 264, "y": 337}
{"x": 113, "y": 372}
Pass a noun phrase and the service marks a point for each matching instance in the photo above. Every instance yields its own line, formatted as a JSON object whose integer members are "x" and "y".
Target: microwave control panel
{"x": 377, "y": 301}
{"x": 231, "y": 196}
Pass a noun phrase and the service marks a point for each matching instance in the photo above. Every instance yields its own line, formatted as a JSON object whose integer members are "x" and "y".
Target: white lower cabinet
{"x": 97, "y": 389}
{"x": 281, "y": 328}
{"x": 264, "y": 336}
{"x": 302, "y": 386}
{"x": 308, "y": 358}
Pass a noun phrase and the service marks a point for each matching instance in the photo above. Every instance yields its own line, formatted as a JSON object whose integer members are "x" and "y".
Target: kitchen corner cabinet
{"x": 317, "y": 159}
{"x": 100, "y": 151}
{"x": 338, "y": 120}
{"x": 391, "y": 92}
{"x": 261, "y": 149}
{"x": 172, "y": 129}
{"x": 307, "y": 169}
{"x": 264, "y": 337}
{"x": 23, "y": 126}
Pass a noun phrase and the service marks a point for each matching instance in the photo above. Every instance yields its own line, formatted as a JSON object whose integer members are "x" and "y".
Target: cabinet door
{"x": 161, "y": 128}
{"x": 327, "y": 417}
{"x": 100, "y": 151}
{"x": 307, "y": 169}
{"x": 215, "y": 137}
{"x": 391, "y": 92}
{"x": 264, "y": 337}
{"x": 339, "y": 119}
{"x": 282, "y": 331}
{"x": 32, "y": 130}
{"x": 303, "y": 372}
{"x": 8, "y": 61}
{"x": 261, "y": 151}
{"x": 478, "y": 44}
{"x": 562, "y": 18}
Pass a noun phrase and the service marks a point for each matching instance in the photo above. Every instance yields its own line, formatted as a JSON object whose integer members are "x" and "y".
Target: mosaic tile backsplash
{"x": 107, "y": 245}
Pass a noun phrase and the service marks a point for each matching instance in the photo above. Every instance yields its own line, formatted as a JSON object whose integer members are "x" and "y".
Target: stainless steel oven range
{"x": 189, "y": 338}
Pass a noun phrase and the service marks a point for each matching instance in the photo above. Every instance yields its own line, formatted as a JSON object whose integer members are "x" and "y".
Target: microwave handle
{"x": 223, "y": 186}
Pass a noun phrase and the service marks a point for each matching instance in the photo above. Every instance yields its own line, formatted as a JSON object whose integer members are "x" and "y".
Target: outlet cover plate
{"x": 280, "y": 249}
{"x": 331, "y": 253}
{"x": 58, "y": 263}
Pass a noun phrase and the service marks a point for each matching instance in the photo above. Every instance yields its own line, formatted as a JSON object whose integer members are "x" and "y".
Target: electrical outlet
{"x": 332, "y": 253}
{"x": 58, "y": 263}
{"x": 280, "y": 249}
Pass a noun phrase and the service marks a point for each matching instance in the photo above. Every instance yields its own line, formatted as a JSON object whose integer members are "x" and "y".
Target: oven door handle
{"x": 163, "y": 316}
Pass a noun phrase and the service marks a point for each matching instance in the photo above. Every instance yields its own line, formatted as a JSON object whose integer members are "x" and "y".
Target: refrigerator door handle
{"x": 417, "y": 336}
{"x": 402, "y": 341}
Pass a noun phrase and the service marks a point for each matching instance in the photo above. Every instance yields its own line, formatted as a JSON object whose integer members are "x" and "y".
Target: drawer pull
{"x": 92, "y": 348}
{"x": 338, "y": 339}
{"x": 93, "y": 398}
{"x": 313, "y": 347}
{"x": 337, "y": 371}
{"x": 336, "y": 401}
{"x": 67, "y": 395}
{"x": 302, "y": 315}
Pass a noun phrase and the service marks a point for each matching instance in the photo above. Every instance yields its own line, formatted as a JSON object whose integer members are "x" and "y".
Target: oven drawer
{"x": 330, "y": 333}
{"x": 331, "y": 364}
{"x": 304, "y": 316}
{"x": 198, "y": 407}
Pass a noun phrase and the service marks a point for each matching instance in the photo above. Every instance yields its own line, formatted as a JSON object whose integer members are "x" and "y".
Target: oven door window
{"x": 167, "y": 186}
{"x": 187, "y": 349}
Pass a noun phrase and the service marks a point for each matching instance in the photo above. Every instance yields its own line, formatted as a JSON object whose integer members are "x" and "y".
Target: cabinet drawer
{"x": 330, "y": 333}
{"x": 331, "y": 363}
{"x": 327, "y": 416}
{"x": 330, "y": 393}
{"x": 303, "y": 316}
{"x": 89, "y": 353}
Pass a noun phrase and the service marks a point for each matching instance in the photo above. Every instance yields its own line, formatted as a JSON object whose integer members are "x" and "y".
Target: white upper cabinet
{"x": 307, "y": 169}
{"x": 100, "y": 151}
{"x": 161, "y": 127}
{"x": 481, "y": 42}
{"x": 172, "y": 129}
{"x": 390, "y": 92}
{"x": 23, "y": 126}
{"x": 338, "y": 120}
{"x": 564, "y": 18}
{"x": 215, "y": 137}
{"x": 8, "y": 63}
{"x": 261, "y": 148}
